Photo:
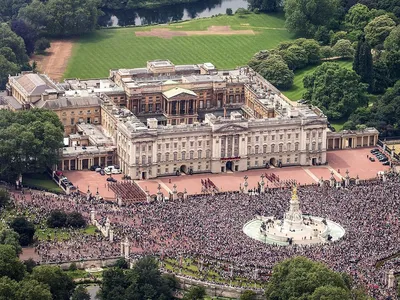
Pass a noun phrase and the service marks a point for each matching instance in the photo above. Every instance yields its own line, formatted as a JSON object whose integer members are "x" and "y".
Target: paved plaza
{"x": 354, "y": 160}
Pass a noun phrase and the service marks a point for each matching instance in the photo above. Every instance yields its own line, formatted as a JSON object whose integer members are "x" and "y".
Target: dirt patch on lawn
{"x": 55, "y": 61}
{"x": 167, "y": 33}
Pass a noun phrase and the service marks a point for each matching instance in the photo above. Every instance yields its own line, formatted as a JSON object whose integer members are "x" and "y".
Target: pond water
{"x": 171, "y": 13}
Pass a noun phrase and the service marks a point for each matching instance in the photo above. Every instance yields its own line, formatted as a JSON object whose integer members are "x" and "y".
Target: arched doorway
{"x": 229, "y": 165}
{"x": 272, "y": 162}
{"x": 314, "y": 161}
{"x": 183, "y": 169}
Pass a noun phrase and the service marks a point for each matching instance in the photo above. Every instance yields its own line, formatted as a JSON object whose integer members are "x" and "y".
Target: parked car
{"x": 102, "y": 173}
{"x": 371, "y": 159}
{"x": 374, "y": 150}
{"x": 108, "y": 171}
{"x": 116, "y": 171}
{"x": 111, "y": 179}
{"x": 98, "y": 169}
{"x": 94, "y": 167}
{"x": 386, "y": 163}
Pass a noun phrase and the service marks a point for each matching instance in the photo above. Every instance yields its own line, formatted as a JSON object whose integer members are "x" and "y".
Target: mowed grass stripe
{"x": 94, "y": 55}
{"x": 296, "y": 92}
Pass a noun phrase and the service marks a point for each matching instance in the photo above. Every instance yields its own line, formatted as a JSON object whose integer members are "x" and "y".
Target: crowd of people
{"x": 209, "y": 229}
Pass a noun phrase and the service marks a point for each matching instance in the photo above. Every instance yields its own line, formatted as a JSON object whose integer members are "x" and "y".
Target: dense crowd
{"x": 209, "y": 228}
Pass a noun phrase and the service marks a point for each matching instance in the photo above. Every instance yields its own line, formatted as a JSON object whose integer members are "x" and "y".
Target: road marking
{"x": 335, "y": 172}
{"x": 311, "y": 174}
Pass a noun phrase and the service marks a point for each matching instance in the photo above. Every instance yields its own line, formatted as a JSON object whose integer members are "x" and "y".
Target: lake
{"x": 171, "y": 13}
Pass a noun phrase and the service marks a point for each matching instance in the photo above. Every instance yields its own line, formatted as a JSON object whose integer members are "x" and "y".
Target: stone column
{"x": 347, "y": 179}
{"x": 119, "y": 201}
{"x": 357, "y": 180}
{"x": 233, "y": 145}
{"x": 184, "y": 194}
{"x": 122, "y": 248}
{"x": 262, "y": 183}
{"x": 92, "y": 217}
{"x": 111, "y": 235}
{"x": 174, "y": 193}
{"x": 127, "y": 248}
{"x": 321, "y": 181}
{"x": 159, "y": 193}
{"x": 107, "y": 227}
{"x": 332, "y": 180}
{"x": 245, "y": 185}
{"x": 390, "y": 279}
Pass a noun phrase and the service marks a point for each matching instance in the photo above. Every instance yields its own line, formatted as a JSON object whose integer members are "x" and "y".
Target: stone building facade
{"x": 165, "y": 119}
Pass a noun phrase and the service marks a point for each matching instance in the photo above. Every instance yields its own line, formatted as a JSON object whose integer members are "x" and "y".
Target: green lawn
{"x": 41, "y": 181}
{"x": 295, "y": 93}
{"x": 93, "y": 55}
{"x": 60, "y": 233}
{"x": 338, "y": 125}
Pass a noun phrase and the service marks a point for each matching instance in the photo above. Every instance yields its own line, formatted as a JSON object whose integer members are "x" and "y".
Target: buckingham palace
{"x": 166, "y": 119}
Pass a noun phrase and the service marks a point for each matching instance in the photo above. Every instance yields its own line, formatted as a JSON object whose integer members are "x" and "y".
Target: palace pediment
{"x": 231, "y": 128}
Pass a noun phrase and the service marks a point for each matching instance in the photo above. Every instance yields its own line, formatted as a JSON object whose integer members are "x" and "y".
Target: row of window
{"x": 81, "y": 112}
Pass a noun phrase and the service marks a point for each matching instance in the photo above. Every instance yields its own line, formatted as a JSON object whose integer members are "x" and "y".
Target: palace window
{"x": 199, "y": 153}
{"x": 272, "y": 148}
{"x": 183, "y": 155}
{"x": 280, "y": 147}
{"x": 175, "y": 156}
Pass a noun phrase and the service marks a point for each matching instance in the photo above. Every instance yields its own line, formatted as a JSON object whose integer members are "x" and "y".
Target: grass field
{"x": 41, "y": 181}
{"x": 295, "y": 93}
{"x": 93, "y": 55}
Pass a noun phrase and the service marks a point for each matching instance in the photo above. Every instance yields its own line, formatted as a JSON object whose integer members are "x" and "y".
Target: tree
{"x": 248, "y": 295}
{"x": 144, "y": 281}
{"x": 80, "y": 293}
{"x": 327, "y": 52}
{"x": 62, "y": 17}
{"x": 276, "y": 71}
{"x": 363, "y": 65}
{"x": 312, "y": 49}
{"x": 381, "y": 77}
{"x": 300, "y": 278}
{"x": 31, "y": 289}
{"x": 41, "y": 45}
{"x": 6, "y": 68}
{"x": 378, "y": 30}
{"x": 9, "y": 9}
{"x": 387, "y": 109}
{"x": 303, "y": 17}
{"x": 75, "y": 220}
{"x": 330, "y": 292}
{"x": 32, "y": 141}
{"x": 10, "y": 265}
{"x": 57, "y": 219}
{"x": 357, "y": 17}
{"x": 121, "y": 263}
{"x": 4, "y": 198}
{"x": 392, "y": 42}
{"x": 265, "y": 5}
{"x": 392, "y": 61}
{"x": 29, "y": 265}
{"x": 35, "y": 14}
{"x": 195, "y": 293}
{"x": 337, "y": 91}
{"x": 11, "y": 40}
{"x": 10, "y": 237}
{"x": 8, "y": 288}
{"x": 27, "y": 33}
{"x": 61, "y": 285}
{"x": 229, "y": 11}
{"x": 25, "y": 229}
{"x": 339, "y": 35}
{"x": 295, "y": 57}
{"x": 343, "y": 48}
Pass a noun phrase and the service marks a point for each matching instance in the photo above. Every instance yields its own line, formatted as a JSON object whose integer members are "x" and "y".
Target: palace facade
{"x": 165, "y": 119}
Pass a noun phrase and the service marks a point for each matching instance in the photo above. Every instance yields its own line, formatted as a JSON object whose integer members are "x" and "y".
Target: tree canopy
{"x": 25, "y": 229}
{"x": 31, "y": 141}
{"x": 276, "y": 71}
{"x": 10, "y": 265}
{"x": 337, "y": 91}
{"x": 301, "y": 278}
{"x": 378, "y": 30}
{"x": 304, "y": 17}
{"x": 144, "y": 281}
{"x": 61, "y": 285}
